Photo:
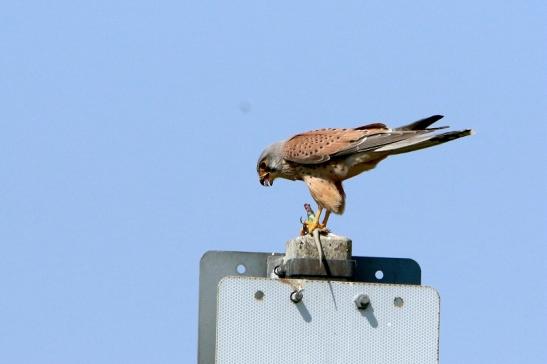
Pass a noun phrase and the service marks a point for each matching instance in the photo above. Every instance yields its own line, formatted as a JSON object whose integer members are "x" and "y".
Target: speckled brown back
{"x": 317, "y": 146}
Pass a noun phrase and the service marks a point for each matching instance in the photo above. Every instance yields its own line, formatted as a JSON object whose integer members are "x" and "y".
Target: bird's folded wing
{"x": 318, "y": 146}
{"x": 377, "y": 141}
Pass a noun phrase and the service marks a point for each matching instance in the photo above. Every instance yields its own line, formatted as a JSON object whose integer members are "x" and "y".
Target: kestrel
{"x": 324, "y": 158}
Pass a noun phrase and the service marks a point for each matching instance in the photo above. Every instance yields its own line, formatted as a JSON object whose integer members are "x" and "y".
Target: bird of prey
{"x": 324, "y": 158}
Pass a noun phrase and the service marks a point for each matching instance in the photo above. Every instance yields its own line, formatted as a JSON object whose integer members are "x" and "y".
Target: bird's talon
{"x": 308, "y": 227}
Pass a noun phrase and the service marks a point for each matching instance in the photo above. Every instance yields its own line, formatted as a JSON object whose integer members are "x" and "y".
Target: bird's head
{"x": 270, "y": 164}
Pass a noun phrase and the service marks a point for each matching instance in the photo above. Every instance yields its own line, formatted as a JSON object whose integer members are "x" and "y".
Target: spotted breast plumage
{"x": 324, "y": 158}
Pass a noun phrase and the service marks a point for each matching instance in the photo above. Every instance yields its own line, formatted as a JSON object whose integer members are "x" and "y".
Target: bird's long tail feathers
{"x": 421, "y": 141}
{"x": 423, "y": 124}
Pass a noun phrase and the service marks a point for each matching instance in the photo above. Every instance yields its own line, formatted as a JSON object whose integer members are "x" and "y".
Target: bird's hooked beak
{"x": 265, "y": 179}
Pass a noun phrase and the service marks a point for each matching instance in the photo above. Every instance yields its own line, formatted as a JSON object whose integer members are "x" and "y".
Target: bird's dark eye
{"x": 263, "y": 165}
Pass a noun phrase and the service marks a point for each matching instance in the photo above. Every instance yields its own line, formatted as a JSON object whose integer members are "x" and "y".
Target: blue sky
{"x": 129, "y": 133}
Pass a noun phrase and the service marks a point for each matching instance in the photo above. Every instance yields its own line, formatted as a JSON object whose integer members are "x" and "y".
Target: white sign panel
{"x": 258, "y": 323}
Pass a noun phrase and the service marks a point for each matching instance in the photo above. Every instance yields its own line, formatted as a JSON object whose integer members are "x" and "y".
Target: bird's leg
{"x": 325, "y": 219}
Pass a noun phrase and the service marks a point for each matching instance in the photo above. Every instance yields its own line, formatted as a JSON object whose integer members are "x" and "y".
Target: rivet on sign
{"x": 259, "y": 295}
{"x": 362, "y": 301}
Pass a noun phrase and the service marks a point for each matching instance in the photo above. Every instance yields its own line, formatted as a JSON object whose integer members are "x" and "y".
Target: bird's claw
{"x": 308, "y": 227}
{"x": 311, "y": 223}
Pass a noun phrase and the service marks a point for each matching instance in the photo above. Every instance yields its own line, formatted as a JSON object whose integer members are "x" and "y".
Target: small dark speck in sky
{"x": 245, "y": 106}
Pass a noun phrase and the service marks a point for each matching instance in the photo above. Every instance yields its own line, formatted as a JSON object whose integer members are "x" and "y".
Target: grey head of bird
{"x": 271, "y": 164}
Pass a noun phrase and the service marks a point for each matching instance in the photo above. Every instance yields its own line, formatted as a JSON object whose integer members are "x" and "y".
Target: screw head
{"x": 296, "y": 296}
{"x": 278, "y": 271}
{"x": 362, "y": 301}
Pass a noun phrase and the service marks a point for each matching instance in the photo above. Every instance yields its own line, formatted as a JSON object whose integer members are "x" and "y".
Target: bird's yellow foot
{"x": 309, "y": 226}
{"x": 312, "y": 221}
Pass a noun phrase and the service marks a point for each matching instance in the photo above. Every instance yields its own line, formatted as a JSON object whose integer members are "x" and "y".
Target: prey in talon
{"x": 311, "y": 222}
